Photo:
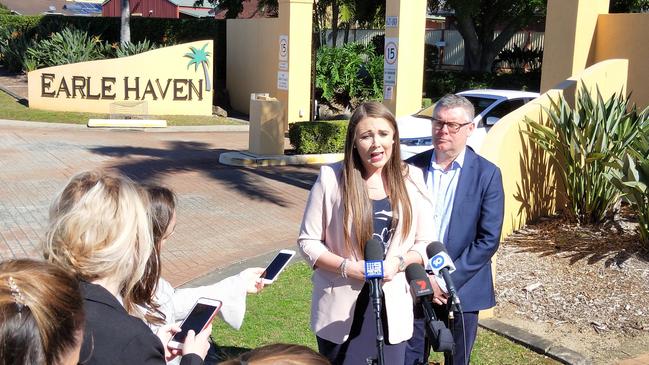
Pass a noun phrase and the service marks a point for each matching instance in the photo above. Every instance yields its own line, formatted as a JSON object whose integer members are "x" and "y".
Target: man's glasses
{"x": 452, "y": 127}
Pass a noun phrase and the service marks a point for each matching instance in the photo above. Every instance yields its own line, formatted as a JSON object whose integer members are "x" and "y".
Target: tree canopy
{"x": 478, "y": 20}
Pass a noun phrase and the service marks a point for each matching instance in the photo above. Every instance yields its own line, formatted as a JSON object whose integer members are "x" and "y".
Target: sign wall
{"x": 173, "y": 80}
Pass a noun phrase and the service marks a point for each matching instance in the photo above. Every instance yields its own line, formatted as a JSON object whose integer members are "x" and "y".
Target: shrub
{"x": 67, "y": 46}
{"x": 378, "y": 43}
{"x": 318, "y": 137}
{"x": 440, "y": 83}
{"x": 632, "y": 177}
{"x": 156, "y": 30}
{"x": 519, "y": 60}
{"x": 4, "y": 9}
{"x": 349, "y": 75}
{"x": 586, "y": 144}
{"x": 431, "y": 57}
{"x": 13, "y": 45}
{"x": 131, "y": 49}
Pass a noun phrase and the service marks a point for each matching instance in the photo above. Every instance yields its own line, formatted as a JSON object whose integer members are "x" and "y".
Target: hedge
{"x": 157, "y": 30}
{"x": 318, "y": 137}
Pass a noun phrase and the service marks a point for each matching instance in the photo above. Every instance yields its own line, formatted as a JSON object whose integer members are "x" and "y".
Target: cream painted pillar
{"x": 405, "y": 31}
{"x": 569, "y": 44}
{"x": 293, "y": 61}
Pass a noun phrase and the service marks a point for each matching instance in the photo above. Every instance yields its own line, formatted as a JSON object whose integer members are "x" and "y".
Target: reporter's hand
{"x": 164, "y": 334}
{"x": 390, "y": 268}
{"x": 356, "y": 269}
{"x": 252, "y": 279}
{"x": 198, "y": 344}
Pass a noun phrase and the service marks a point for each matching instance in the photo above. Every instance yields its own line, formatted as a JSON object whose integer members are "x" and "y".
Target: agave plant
{"x": 130, "y": 49}
{"x": 632, "y": 177}
{"x": 587, "y": 144}
{"x": 67, "y": 46}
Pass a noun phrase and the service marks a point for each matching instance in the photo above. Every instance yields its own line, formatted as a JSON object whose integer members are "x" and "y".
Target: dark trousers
{"x": 461, "y": 330}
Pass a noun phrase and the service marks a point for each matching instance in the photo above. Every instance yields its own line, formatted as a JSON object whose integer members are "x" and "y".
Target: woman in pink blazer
{"x": 370, "y": 194}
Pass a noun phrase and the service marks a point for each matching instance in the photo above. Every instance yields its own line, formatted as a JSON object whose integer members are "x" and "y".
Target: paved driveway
{"x": 226, "y": 214}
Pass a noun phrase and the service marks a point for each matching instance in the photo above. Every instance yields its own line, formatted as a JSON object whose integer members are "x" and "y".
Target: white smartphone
{"x": 277, "y": 265}
{"x": 200, "y": 317}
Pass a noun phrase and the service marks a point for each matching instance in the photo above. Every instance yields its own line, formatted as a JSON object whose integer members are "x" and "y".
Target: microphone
{"x": 420, "y": 286}
{"x": 373, "y": 260}
{"x": 441, "y": 263}
{"x": 442, "y": 339}
{"x": 439, "y": 258}
{"x": 374, "y": 274}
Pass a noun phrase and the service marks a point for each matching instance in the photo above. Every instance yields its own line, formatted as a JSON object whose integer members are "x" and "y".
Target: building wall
{"x": 251, "y": 59}
{"x": 627, "y": 36}
{"x": 569, "y": 43}
{"x": 148, "y": 8}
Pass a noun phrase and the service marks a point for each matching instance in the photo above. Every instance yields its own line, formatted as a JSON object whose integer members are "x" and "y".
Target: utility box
{"x": 266, "y": 135}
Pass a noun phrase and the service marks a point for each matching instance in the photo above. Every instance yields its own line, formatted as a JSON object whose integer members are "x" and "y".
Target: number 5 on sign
{"x": 391, "y": 49}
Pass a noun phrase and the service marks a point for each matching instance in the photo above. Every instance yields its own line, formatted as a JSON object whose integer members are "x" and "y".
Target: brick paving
{"x": 225, "y": 214}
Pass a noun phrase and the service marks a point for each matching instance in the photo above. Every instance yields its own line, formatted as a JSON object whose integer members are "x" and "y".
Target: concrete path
{"x": 226, "y": 214}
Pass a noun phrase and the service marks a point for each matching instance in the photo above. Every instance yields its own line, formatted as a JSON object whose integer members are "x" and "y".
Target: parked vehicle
{"x": 490, "y": 105}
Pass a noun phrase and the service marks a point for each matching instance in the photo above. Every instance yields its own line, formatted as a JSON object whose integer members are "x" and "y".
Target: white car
{"x": 490, "y": 105}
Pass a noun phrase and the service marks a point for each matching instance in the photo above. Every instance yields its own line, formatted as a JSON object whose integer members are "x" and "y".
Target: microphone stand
{"x": 429, "y": 317}
{"x": 448, "y": 355}
{"x": 375, "y": 293}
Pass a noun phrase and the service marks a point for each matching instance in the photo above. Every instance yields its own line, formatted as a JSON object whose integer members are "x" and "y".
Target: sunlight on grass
{"x": 13, "y": 110}
{"x": 281, "y": 312}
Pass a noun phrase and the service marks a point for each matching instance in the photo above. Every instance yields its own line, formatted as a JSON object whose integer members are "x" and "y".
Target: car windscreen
{"x": 480, "y": 103}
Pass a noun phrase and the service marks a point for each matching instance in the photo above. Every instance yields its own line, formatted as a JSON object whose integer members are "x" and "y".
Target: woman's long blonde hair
{"x": 99, "y": 229}
{"x": 357, "y": 204}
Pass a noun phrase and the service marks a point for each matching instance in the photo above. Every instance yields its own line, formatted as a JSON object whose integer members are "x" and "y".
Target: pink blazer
{"x": 334, "y": 297}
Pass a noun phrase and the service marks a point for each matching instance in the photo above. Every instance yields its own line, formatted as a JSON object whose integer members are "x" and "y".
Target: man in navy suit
{"x": 468, "y": 198}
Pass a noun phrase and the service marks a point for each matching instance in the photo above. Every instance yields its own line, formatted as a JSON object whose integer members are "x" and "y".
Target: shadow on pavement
{"x": 148, "y": 165}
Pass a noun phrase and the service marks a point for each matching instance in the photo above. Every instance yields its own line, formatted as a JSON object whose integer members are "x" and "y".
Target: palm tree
{"x": 199, "y": 56}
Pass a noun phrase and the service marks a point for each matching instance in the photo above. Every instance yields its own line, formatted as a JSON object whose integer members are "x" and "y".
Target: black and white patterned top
{"x": 382, "y": 222}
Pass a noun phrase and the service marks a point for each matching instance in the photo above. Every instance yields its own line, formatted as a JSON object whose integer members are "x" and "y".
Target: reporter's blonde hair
{"x": 41, "y": 313}
{"x": 280, "y": 354}
{"x": 99, "y": 229}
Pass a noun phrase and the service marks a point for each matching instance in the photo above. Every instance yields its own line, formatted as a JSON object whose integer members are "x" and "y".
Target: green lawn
{"x": 280, "y": 313}
{"x": 11, "y": 109}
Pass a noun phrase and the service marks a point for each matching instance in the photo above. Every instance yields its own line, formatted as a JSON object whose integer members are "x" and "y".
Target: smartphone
{"x": 200, "y": 317}
{"x": 277, "y": 265}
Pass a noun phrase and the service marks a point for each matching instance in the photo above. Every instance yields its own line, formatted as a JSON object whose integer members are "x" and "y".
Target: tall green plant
{"x": 632, "y": 177}
{"x": 349, "y": 74}
{"x": 586, "y": 144}
{"x": 130, "y": 49}
{"x": 13, "y": 45}
{"x": 67, "y": 46}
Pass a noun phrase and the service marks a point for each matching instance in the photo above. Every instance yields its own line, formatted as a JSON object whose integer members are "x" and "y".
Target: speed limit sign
{"x": 283, "y": 48}
{"x": 391, "y": 49}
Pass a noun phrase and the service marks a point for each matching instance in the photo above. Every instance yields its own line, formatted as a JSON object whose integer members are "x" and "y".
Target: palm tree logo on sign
{"x": 199, "y": 56}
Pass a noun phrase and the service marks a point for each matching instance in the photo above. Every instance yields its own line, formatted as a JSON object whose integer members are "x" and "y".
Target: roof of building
{"x": 197, "y": 13}
{"x": 36, "y": 7}
{"x": 190, "y": 4}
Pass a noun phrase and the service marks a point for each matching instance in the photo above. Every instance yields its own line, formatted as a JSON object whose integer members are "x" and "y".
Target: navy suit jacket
{"x": 113, "y": 337}
{"x": 474, "y": 228}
